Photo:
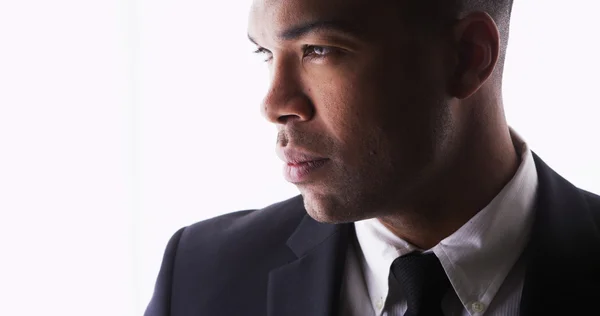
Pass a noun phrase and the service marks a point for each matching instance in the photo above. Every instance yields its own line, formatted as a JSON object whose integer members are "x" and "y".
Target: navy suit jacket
{"x": 278, "y": 261}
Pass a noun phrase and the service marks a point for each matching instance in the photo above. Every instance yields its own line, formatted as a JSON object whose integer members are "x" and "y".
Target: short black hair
{"x": 437, "y": 14}
{"x": 499, "y": 10}
{"x": 496, "y": 8}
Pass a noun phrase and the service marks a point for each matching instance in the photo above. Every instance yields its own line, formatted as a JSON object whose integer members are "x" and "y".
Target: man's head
{"x": 377, "y": 95}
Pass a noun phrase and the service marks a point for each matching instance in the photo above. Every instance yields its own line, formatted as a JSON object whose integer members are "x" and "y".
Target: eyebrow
{"x": 301, "y": 30}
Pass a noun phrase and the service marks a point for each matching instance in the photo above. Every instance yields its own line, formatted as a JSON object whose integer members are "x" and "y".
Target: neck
{"x": 483, "y": 165}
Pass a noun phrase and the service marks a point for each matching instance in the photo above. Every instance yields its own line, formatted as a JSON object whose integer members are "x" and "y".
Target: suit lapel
{"x": 310, "y": 285}
{"x": 563, "y": 272}
{"x": 563, "y": 259}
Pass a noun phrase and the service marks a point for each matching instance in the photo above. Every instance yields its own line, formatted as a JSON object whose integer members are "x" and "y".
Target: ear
{"x": 477, "y": 47}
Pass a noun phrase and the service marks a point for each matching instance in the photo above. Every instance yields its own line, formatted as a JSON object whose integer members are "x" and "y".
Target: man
{"x": 417, "y": 198}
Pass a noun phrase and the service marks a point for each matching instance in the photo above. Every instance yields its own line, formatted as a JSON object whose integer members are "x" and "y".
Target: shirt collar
{"x": 478, "y": 256}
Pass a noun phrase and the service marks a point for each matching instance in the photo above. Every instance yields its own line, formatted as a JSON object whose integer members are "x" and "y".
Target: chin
{"x": 332, "y": 210}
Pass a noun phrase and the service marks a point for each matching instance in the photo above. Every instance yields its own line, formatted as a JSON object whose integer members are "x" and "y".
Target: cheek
{"x": 384, "y": 125}
{"x": 354, "y": 120}
{"x": 366, "y": 109}
{"x": 336, "y": 106}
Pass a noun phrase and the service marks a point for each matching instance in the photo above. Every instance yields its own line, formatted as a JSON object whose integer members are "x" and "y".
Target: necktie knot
{"x": 424, "y": 282}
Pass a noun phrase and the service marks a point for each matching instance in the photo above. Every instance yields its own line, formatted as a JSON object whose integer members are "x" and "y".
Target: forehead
{"x": 290, "y": 9}
{"x": 275, "y": 16}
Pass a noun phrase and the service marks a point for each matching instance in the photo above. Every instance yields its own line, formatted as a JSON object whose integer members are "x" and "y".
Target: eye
{"x": 264, "y": 53}
{"x": 317, "y": 51}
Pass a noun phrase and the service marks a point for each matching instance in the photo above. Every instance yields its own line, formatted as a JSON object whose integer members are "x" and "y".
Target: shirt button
{"x": 478, "y": 307}
{"x": 379, "y": 304}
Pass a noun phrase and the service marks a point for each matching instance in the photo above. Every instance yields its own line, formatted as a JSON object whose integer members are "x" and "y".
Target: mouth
{"x": 298, "y": 172}
{"x": 302, "y": 171}
{"x": 300, "y": 166}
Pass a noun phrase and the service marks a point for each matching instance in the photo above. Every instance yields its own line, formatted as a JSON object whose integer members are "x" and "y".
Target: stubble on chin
{"x": 334, "y": 209}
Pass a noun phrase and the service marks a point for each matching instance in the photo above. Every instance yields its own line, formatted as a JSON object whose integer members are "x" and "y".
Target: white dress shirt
{"x": 482, "y": 258}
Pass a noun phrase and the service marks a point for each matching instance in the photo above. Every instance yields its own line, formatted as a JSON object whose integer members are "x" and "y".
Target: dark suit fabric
{"x": 278, "y": 261}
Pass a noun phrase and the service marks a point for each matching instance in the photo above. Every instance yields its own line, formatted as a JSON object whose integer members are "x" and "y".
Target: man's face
{"x": 359, "y": 99}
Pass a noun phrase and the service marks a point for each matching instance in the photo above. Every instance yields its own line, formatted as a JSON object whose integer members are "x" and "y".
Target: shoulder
{"x": 273, "y": 219}
{"x": 232, "y": 253}
{"x": 593, "y": 202}
{"x": 230, "y": 235}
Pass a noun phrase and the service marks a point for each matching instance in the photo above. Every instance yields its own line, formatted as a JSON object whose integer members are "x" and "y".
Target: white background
{"x": 122, "y": 121}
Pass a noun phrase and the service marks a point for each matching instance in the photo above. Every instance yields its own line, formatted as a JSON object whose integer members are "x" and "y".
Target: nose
{"x": 285, "y": 100}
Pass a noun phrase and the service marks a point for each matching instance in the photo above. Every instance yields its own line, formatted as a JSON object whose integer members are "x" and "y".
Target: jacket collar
{"x": 563, "y": 270}
{"x": 563, "y": 258}
{"x": 310, "y": 285}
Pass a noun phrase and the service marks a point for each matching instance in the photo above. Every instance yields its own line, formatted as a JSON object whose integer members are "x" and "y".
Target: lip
{"x": 299, "y": 166}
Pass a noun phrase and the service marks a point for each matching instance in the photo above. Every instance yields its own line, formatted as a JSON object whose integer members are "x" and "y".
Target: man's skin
{"x": 401, "y": 122}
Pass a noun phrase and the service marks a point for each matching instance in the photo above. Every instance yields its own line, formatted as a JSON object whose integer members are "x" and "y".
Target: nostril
{"x": 286, "y": 118}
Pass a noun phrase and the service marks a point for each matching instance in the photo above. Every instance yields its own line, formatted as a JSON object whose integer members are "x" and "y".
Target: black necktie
{"x": 424, "y": 282}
